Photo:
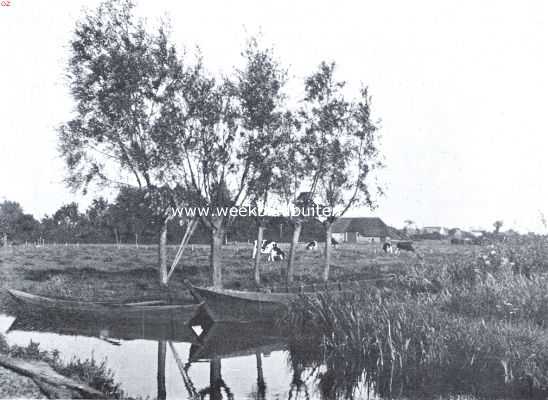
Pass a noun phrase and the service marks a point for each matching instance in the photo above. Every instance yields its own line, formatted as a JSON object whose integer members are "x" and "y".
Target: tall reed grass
{"x": 474, "y": 326}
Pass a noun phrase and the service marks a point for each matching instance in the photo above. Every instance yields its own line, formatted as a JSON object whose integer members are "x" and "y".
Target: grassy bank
{"x": 474, "y": 324}
{"x": 103, "y": 272}
{"x": 89, "y": 371}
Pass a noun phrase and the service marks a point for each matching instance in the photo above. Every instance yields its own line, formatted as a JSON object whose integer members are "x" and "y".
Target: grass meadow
{"x": 108, "y": 272}
{"x": 464, "y": 319}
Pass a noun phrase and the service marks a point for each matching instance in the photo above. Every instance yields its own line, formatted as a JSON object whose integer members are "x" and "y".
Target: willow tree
{"x": 259, "y": 87}
{"x": 340, "y": 146}
{"x": 124, "y": 79}
{"x": 222, "y": 127}
{"x": 289, "y": 183}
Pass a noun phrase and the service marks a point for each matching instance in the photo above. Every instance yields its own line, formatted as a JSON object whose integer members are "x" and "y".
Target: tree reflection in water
{"x": 261, "y": 385}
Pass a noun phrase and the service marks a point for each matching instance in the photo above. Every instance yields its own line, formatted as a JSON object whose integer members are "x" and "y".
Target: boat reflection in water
{"x": 232, "y": 340}
{"x": 186, "y": 365}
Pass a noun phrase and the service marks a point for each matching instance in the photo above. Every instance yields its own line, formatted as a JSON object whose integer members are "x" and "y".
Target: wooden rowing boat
{"x": 76, "y": 306}
{"x": 227, "y": 305}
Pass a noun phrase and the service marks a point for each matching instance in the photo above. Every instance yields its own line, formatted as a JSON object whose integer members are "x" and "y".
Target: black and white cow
{"x": 266, "y": 247}
{"x": 271, "y": 248}
{"x": 387, "y": 247}
{"x": 394, "y": 248}
{"x": 334, "y": 243}
{"x": 313, "y": 245}
{"x": 277, "y": 254}
{"x": 407, "y": 246}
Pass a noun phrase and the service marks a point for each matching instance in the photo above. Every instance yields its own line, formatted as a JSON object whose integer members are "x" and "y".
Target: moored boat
{"x": 33, "y": 301}
{"x": 227, "y": 305}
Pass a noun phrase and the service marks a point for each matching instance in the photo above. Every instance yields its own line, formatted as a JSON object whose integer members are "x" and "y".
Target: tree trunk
{"x": 136, "y": 240}
{"x": 297, "y": 226}
{"x": 327, "y": 251}
{"x": 162, "y": 253}
{"x": 215, "y": 266}
{"x": 161, "y": 376}
{"x": 257, "y": 267}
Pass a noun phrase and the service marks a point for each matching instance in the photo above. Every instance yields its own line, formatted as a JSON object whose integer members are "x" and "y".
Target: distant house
{"x": 457, "y": 233}
{"x": 477, "y": 233}
{"x": 360, "y": 230}
{"x": 511, "y": 232}
{"x": 435, "y": 229}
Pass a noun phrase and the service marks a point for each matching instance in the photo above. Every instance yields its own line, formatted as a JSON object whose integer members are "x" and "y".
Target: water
{"x": 225, "y": 361}
{"x": 247, "y": 356}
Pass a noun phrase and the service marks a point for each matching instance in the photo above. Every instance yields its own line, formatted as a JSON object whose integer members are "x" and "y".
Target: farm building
{"x": 360, "y": 230}
{"x": 440, "y": 230}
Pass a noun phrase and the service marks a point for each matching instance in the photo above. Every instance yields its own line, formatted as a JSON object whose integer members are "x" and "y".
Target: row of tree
{"x": 127, "y": 220}
{"x": 150, "y": 117}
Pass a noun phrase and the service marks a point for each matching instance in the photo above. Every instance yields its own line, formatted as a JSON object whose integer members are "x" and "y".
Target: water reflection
{"x": 165, "y": 359}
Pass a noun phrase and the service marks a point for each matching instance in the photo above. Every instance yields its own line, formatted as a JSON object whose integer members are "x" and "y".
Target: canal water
{"x": 161, "y": 357}
{"x": 228, "y": 361}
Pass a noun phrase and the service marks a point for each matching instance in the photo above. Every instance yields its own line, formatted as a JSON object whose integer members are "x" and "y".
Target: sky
{"x": 459, "y": 87}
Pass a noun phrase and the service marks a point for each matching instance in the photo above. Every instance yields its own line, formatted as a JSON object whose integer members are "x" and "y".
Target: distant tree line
{"x": 128, "y": 220}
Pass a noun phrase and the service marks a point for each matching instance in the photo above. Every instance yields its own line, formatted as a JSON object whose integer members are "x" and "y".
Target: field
{"x": 99, "y": 272}
{"x": 459, "y": 319}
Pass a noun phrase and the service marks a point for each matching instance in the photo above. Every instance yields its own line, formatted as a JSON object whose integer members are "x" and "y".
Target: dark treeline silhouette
{"x": 128, "y": 220}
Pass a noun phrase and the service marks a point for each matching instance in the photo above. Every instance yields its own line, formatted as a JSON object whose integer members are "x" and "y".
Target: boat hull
{"x": 225, "y": 305}
{"x": 35, "y": 302}
{"x": 238, "y": 306}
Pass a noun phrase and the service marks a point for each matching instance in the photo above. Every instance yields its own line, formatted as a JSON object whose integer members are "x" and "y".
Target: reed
{"x": 475, "y": 325}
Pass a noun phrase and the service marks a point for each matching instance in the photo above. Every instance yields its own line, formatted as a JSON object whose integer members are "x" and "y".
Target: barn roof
{"x": 366, "y": 226}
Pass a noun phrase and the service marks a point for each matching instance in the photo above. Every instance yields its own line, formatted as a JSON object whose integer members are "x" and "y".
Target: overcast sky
{"x": 460, "y": 87}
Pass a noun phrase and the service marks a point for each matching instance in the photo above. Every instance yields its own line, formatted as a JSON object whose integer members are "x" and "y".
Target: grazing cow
{"x": 266, "y": 247}
{"x": 407, "y": 246}
{"x": 313, "y": 245}
{"x": 334, "y": 243}
{"x": 276, "y": 254}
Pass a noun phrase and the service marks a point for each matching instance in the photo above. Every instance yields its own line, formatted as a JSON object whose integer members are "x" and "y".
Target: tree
{"x": 340, "y": 147}
{"x": 67, "y": 220}
{"x": 289, "y": 181}
{"x": 125, "y": 81}
{"x": 10, "y": 212}
{"x": 132, "y": 214}
{"x": 15, "y": 224}
{"x": 223, "y": 132}
{"x": 497, "y": 225}
{"x": 28, "y": 228}
{"x": 100, "y": 222}
{"x": 259, "y": 88}
{"x": 409, "y": 225}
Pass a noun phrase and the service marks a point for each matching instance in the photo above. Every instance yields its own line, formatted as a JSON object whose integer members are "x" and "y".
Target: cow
{"x": 334, "y": 243}
{"x": 271, "y": 248}
{"x": 277, "y": 254}
{"x": 313, "y": 245}
{"x": 387, "y": 247}
{"x": 407, "y": 246}
{"x": 266, "y": 247}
